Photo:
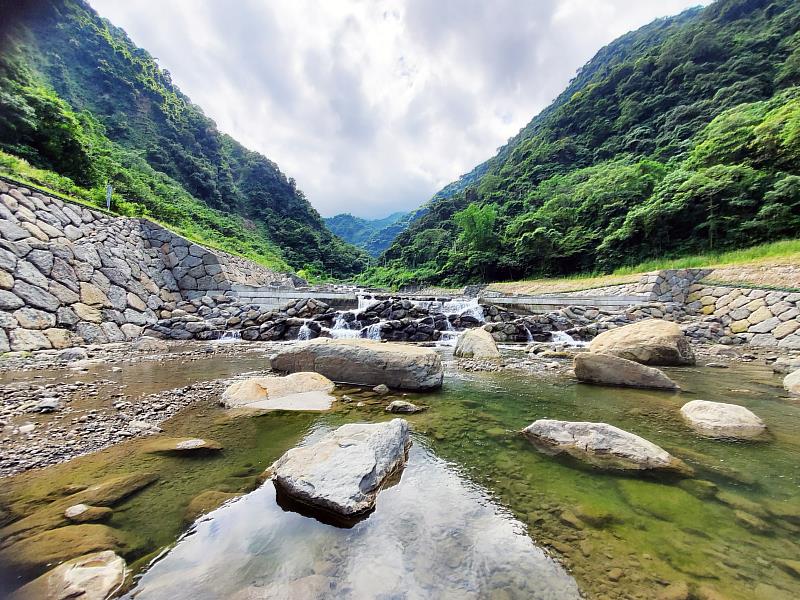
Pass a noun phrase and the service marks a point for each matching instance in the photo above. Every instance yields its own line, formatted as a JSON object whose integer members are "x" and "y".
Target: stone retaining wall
{"x": 197, "y": 268}
{"x": 758, "y": 317}
{"x": 70, "y": 275}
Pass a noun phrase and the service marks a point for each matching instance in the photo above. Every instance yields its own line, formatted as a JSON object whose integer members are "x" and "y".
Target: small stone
{"x": 401, "y": 406}
{"x": 47, "y": 405}
{"x": 381, "y": 389}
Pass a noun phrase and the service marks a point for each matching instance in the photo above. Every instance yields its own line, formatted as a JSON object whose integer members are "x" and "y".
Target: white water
{"x": 364, "y": 302}
{"x": 341, "y": 328}
{"x": 373, "y": 332}
{"x": 528, "y": 334}
{"x": 561, "y": 337}
{"x": 229, "y": 337}
{"x": 464, "y": 306}
{"x": 304, "y": 333}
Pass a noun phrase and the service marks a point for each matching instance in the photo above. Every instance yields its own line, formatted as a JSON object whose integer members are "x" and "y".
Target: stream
{"x": 477, "y": 513}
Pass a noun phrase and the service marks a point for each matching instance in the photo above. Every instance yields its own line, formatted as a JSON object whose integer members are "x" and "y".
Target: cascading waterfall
{"x": 562, "y": 337}
{"x": 341, "y": 328}
{"x": 227, "y": 337}
{"x": 372, "y": 332}
{"x": 528, "y": 334}
{"x": 464, "y": 306}
{"x": 304, "y": 333}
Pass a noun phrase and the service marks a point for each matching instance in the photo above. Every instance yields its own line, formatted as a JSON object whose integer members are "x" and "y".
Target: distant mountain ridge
{"x": 373, "y": 235}
{"x": 678, "y": 138}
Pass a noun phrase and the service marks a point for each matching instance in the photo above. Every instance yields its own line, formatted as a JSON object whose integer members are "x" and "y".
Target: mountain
{"x": 374, "y": 236}
{"x": 680, "y": 137}
{"x": 83, "y": 105}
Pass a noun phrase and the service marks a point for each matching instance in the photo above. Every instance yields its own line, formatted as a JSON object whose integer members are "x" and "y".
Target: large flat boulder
{"x": 649, "y": 342}
{"x": 298, "y": 391}
{"x": 792, "y": 382}
{"x": 607, "y": 369}
{"x": 95, "y": 576}
{"x": 343, "y": 472}
{"x": 718, "y": 419}
{"x": 602, "y": 445}
{"x": 365, "y": 362}
{"x": 476, "y": 343}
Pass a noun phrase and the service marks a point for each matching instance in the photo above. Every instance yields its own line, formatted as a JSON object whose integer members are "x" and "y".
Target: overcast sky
{"x": 373, "y": 106}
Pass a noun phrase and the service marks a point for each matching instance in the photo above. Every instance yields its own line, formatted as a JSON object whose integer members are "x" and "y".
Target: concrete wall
{"x": 71, "y": 276}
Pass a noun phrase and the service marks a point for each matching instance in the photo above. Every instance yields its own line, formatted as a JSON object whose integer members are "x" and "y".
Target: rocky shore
{"x": 79, "y": 409}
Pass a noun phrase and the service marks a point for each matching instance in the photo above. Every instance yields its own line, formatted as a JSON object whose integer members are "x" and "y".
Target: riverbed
{"x": 478, "y": 512}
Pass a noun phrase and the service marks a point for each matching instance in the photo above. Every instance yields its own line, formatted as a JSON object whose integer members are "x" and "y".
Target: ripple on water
{"x": 433, "y": 535}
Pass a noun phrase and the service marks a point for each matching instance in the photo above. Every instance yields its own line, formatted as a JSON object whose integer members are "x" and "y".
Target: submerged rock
{"x": 343, "y": 472}
{"x": 365, "y": 362}
{"x": 298, "y": 391}
{"x": 719, "y": 419}
{"x": 612, "y": 370}
{"x": 168, "y": 445}
{"x": 205, "y": 502}
{"x": 32, "y": 555}
{"x": 476, "y": 343}
{"x": 92, "y": 577}
{"x": 602, "y": 445}
{"x": 401, "y": 406}
{"x": 792, "y": 382}
{"x": 650, "y": 342}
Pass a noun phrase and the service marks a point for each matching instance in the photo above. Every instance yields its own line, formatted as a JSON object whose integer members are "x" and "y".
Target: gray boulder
{"x": 602, "y": 445}
{"x": 650, "y": 342}
{"x": 343, "y": 472}
{"x": 476, "y": 343}
{"x": 365, "y": 362}
{"x": 719, "y": 419}
{"x": 608, "y": 369}
{"x": 792, "y": 382}
{"x": 786, "y": 365}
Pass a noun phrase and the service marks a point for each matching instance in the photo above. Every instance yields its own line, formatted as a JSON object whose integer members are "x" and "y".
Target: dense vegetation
{"x": 681, "y": 137}
{"x": 373, "y": 235}
{"x": 80, "y": 100}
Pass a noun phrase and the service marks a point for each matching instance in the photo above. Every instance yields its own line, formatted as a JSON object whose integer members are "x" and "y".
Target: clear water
{"x": 445, "y": 530}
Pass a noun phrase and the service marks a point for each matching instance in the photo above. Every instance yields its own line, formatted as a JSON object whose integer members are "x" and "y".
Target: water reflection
{"x": 433, "y": 535}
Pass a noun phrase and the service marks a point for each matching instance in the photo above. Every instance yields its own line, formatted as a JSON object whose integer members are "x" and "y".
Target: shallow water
{"x": 435, "y": 535}
{"x": 470, "y": 484}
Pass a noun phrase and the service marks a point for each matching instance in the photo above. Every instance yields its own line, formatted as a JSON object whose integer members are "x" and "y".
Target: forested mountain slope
{"x": 373, "y": 235}
{"x": 78, "y": 98}
{"x": 682, "y": 136}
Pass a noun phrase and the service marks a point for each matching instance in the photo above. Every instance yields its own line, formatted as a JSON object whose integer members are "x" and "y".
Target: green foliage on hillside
{"x": 78, "y": 98}
{"x": 681, "y": 137}
{"x": 373, "y": 235}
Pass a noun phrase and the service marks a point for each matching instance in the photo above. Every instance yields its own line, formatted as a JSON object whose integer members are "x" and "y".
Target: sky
{"x": 372, "y": 105}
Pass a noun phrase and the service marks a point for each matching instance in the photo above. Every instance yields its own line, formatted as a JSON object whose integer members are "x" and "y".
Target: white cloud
{"x": 373, "y": 106}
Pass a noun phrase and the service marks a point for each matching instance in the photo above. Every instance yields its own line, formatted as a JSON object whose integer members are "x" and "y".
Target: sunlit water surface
{"x": 476, "y": 502}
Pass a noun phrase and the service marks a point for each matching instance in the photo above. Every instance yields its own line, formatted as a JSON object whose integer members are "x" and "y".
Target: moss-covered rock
{"x": 32, "y": 555}
{"x": 205, "y": 502}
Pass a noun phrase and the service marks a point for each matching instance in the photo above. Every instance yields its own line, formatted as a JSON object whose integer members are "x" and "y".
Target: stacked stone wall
{"x": 197, "y": 269}
{"x": 758, "y": 317}
{"x": 70, "y": 275}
